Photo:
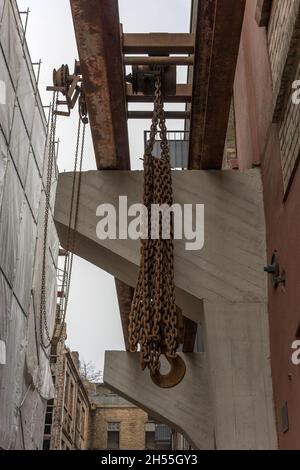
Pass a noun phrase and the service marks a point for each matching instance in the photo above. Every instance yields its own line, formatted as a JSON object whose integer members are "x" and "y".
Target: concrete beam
{"x": 186, "y": 407}
{"x": 223, "y": 287}
{"x": 236, "y": 338}
{"x": 230, "y": 265}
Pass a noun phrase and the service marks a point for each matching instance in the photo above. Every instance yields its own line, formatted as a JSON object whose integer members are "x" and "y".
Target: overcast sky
{"x": 93, "y": 315}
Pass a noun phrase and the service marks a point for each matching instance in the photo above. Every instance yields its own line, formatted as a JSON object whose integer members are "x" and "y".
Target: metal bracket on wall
{"x": 273, "y": 269}
{"x": 71, "y": 87}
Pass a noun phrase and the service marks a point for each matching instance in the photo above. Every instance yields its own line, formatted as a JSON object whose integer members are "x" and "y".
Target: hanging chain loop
{"x": 50, "y": 163}
{"x": 73, "y": 218}
{"x": 153, "y": 317}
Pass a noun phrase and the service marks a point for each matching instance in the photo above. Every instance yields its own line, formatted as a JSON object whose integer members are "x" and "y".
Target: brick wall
{"x": 132, "y": 427}
{"x": 289, "y": 137}
{"x": 280, "y": 31}
{"x": 284, "y": 51}
{"x": 70, "y": 415}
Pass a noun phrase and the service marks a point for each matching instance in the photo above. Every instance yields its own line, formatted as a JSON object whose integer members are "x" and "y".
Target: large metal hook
{"x": 174, "y": 376}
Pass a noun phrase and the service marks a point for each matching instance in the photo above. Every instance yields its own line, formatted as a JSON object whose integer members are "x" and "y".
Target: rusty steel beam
{"x": 183, "y": 95}
{"x": 216, "y": 51}
{"x": 97, "y": 32}
{"x": 159, "y": 60}
{"x": 97, "y": 29}
{"x": 158, "y": 43}
{"x": 149, "y": 114}
{"x": 125, "y": 296}
{"x": 189, "y": 335}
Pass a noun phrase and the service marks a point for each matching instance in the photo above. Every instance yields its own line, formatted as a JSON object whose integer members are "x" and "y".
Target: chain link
{"x": 153, "y": 316}
{"x": 67, "y": 273}
{"x": 51, "y": 157}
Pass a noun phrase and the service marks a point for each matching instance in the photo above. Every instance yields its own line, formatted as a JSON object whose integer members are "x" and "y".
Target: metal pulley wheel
{"x": 61, "y": 77}
{"x": 143, "y": 79}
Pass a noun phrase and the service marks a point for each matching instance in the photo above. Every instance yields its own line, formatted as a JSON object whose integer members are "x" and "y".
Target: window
{"x": 163, "y": 437}
{"x": 78, "y": 414}
{"x": 149, "y": 440}
{"x": 67, "y": 385}
{"x": 82, "y": 429}
{"x": 71, "y": 397}
{"x": 46, "y": 444}
{"x": 113, "y": 435}
{"x": 150, "y": 434}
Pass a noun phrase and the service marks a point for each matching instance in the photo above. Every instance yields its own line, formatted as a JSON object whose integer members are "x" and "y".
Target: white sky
{"x": 93, "y": 314}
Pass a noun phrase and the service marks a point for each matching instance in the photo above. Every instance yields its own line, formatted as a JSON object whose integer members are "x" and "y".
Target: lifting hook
{"x": 174, "y": 376}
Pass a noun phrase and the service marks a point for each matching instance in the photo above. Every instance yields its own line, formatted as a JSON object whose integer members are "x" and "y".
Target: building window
{"x": 163, "y": 437}
{"x": 71, "y": 397}
{"x": 46, "y": 444}
{"x": 113, "y": 435}
{"x": 83, "y": 415}
{"x": 150, "y": 435}
{"x": 67, "y": 385}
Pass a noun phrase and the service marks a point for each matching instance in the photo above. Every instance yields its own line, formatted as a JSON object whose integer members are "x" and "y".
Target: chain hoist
{"x": 51, "y": 158}
{"x": 153, "y": 321}
{"x": 67, "y": 85}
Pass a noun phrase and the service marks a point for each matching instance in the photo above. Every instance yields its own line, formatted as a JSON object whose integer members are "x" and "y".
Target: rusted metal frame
{"x": 216, "y": 51}
{"x": 189, "y": 335}
{"x": 99, "y": 45}
{"x": 159, "y": 60}
{"x": 149, "y": 114}
{"x": 183, "y": 95}
{"x": 125, "y": 296}
{"x": 98, "y": 38}
{"x": 263, "y": 12}
{"x": 158, "y": 43}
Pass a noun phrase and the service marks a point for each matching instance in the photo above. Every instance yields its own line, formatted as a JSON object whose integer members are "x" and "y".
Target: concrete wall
{"x": 226, "y": 278}
{"x": 258, "y": 141}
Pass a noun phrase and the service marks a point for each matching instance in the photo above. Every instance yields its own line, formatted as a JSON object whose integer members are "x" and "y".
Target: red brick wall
{"x": 258, "y": 140}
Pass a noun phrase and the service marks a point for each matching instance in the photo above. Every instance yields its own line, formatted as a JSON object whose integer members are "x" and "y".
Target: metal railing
{"x": 179, "y": 147}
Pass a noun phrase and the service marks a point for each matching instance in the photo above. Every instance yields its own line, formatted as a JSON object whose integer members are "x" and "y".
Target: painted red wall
{"x": 258, "y": 142}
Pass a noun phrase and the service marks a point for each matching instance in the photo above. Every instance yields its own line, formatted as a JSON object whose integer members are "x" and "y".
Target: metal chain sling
{"x": 79, "y": 153}
{"x": 153, "y": 316}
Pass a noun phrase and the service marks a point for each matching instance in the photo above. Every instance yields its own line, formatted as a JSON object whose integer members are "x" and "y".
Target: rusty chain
{"x": 51, "y": 157}
{"x": 80, "y": 141}
{"x": 153, "y": 316}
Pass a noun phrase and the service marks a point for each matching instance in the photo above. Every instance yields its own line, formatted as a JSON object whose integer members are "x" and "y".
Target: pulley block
{"x": 71, "y": 87}
{"x": 143, "y": 79}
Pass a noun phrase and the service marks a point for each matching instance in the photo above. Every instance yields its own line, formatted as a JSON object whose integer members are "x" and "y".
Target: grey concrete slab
{"x": 186, "y": 407}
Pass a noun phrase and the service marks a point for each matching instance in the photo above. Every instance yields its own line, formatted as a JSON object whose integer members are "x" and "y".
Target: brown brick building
{"x": 85, "y": 415}
{"x": 67, "y": 414}
{"x": 117, "y": 424}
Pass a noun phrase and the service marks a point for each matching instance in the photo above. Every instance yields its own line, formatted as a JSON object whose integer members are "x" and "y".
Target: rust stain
{"x": 216, "y": 51}
{"x": 98, "y": 39}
